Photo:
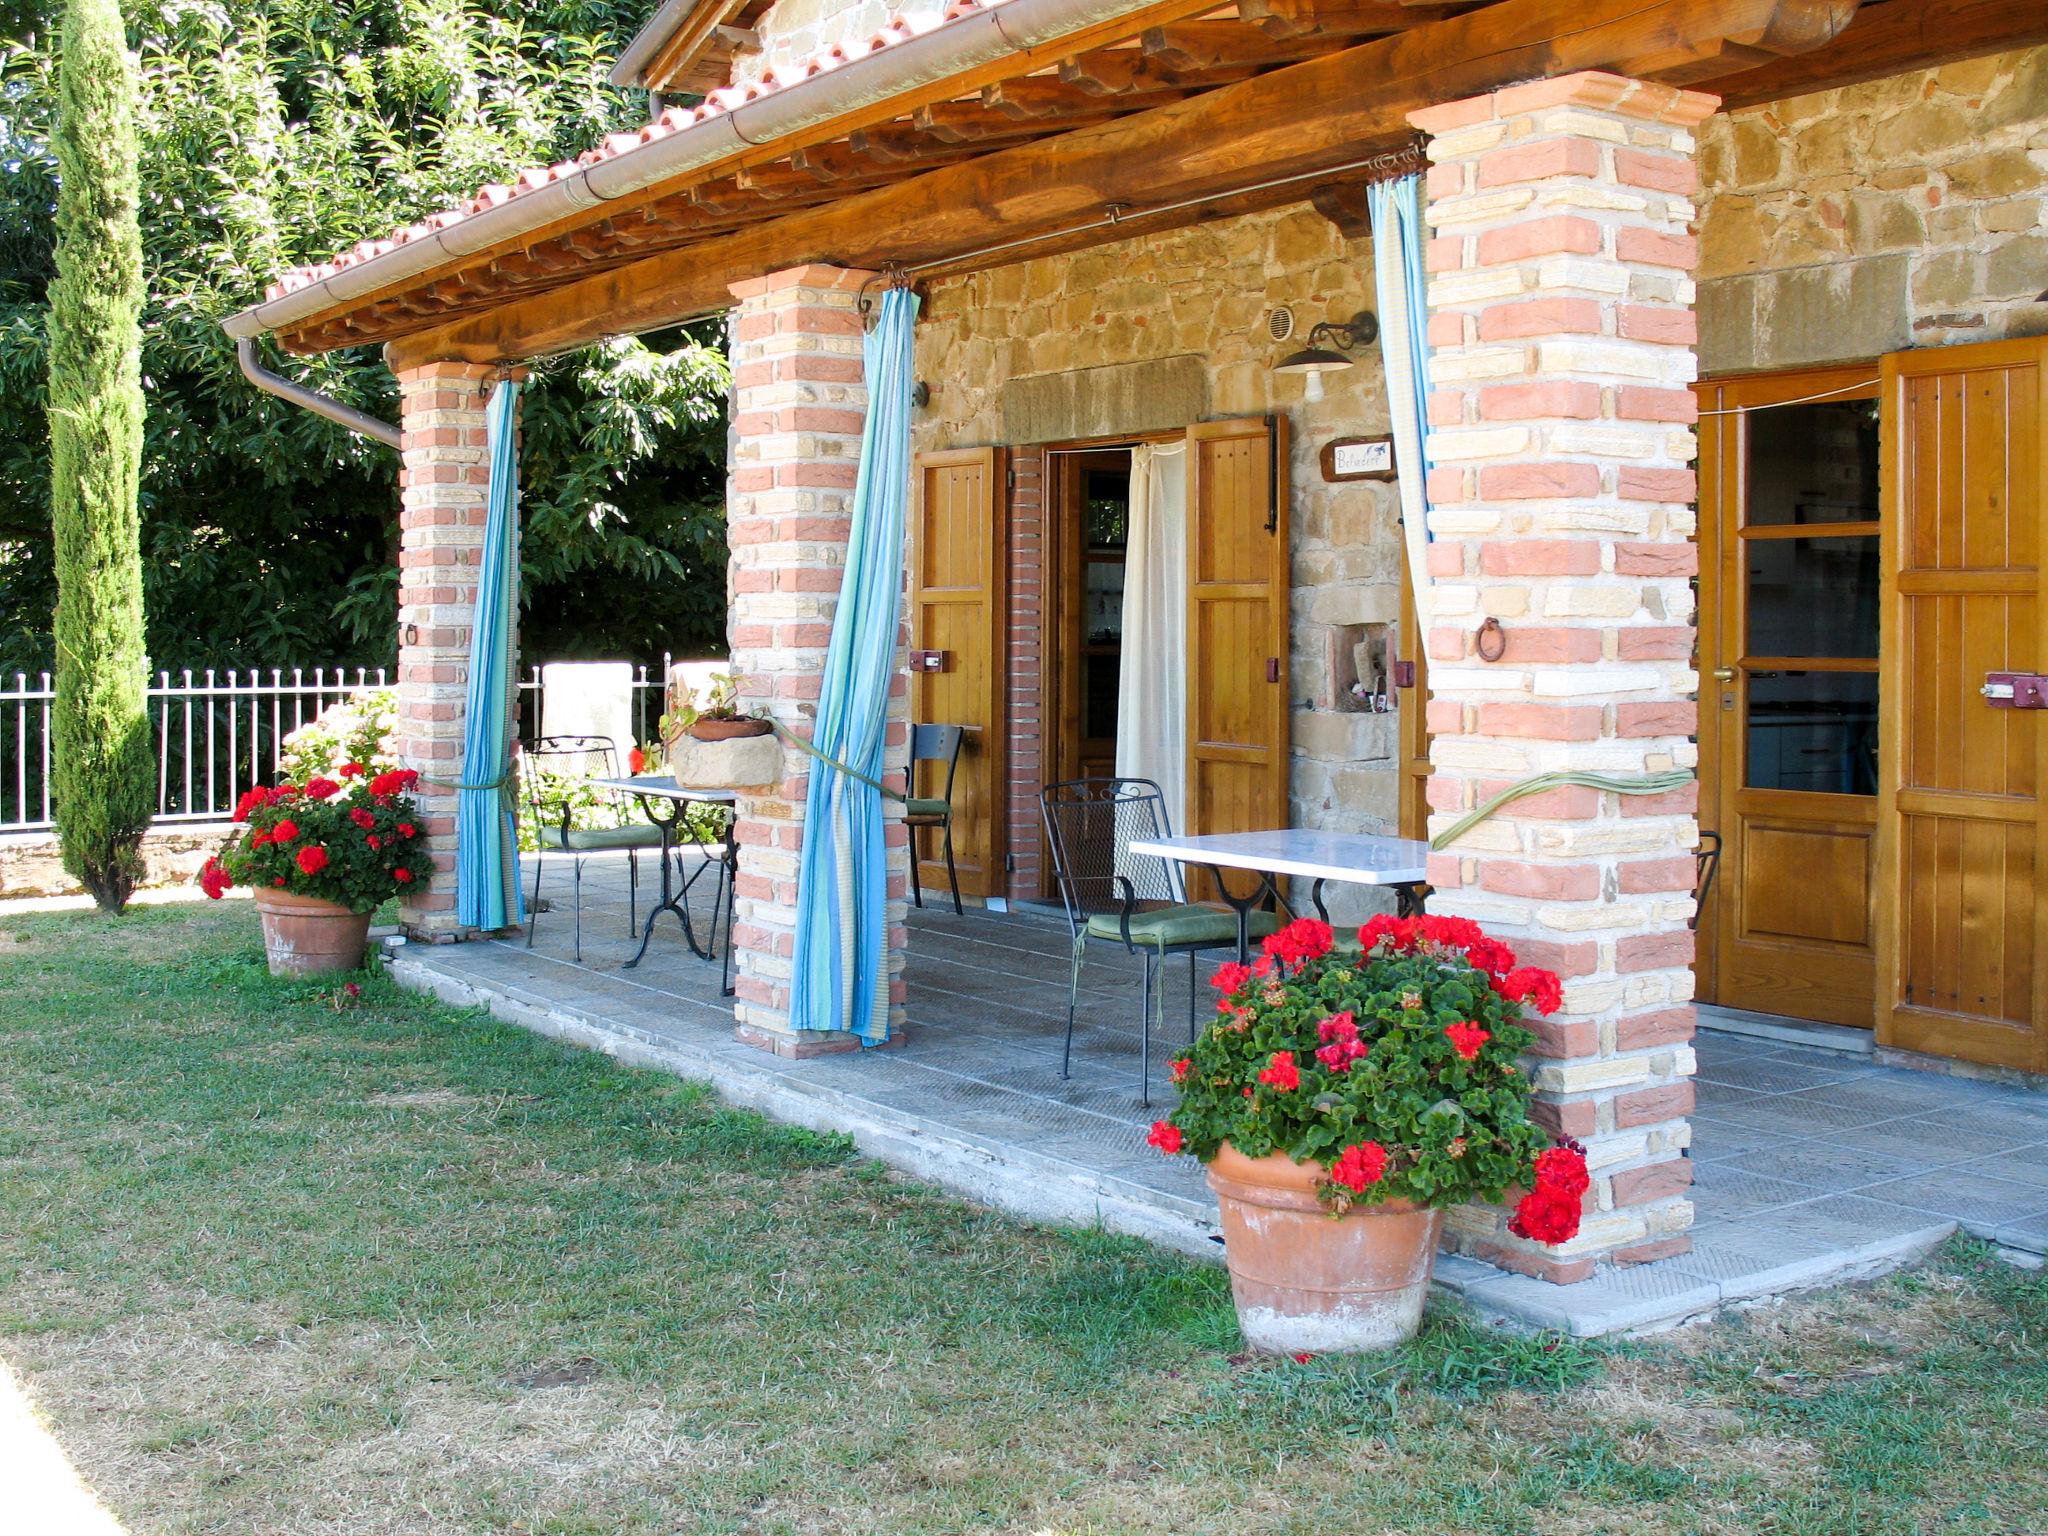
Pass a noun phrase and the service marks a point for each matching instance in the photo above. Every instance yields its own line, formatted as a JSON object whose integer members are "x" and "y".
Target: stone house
{"x": 1734, "y": 310}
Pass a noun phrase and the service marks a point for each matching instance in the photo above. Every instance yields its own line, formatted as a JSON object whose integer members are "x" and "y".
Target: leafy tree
{"x": 277, "y": 132}
{"x": 104, "y": 764}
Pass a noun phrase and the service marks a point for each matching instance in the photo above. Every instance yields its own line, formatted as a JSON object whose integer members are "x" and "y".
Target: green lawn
{"x": 272, "y": 1264}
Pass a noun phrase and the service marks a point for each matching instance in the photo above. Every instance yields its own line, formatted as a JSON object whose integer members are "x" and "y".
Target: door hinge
{"x": 1009, "y": 863}
{"x": 1009, "y": 479}
{"x": 1272, "y": 669}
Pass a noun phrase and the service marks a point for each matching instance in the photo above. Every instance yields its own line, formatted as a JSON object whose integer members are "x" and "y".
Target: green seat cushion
{"x": 916, "y": 807}
{"x": 600, "y": 839}
{"x": 1171, "y": 927}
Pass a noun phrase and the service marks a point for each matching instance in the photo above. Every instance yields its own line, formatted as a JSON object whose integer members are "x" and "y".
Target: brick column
{"x": 1561, "y": 444}
{"x": 444, "y": 483}
{"x": 799, "y": 405}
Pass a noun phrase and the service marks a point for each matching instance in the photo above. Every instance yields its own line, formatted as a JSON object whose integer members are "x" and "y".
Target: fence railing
{"x": 648, "y": 703}
{"x": 216, "y": 734}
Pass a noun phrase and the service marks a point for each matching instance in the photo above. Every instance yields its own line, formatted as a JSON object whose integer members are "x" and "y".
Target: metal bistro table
{"x": 655, "y": 790}
{"x": 1349, "y": 858}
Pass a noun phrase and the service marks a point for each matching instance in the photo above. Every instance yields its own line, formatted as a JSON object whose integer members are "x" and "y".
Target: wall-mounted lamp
{"x": 1325, "y": 353}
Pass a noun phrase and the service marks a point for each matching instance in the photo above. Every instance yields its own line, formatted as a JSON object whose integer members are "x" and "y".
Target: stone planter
{"x": 305, "y": 936}
{"x": 1307, "y": 1281}
{"x": 740, "y": 762}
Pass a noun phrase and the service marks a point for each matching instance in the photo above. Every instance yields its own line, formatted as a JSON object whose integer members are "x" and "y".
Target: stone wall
{"x": 796, "y": 30}
{"x": 1153, "y": 334}
{"x": 1906, "y": 212}
{"x": 33, "y": 865}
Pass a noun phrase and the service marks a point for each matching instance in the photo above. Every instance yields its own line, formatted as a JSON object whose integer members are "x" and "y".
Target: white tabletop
{"x": 663, "y": 787}
{"x": 1350, "y": 857}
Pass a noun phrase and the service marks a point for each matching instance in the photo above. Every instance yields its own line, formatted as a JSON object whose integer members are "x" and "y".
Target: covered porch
{"x": 1551, "y": 634}
{"x": 1812, "y": 1165}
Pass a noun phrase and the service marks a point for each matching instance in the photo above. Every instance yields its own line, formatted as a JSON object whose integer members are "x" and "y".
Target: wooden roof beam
{"x": 1300, "y": 120}
{"x": 1890, "y": 39}
{"x": 1205, "y": 45}
{"x": 1048, "y": 97}
{"x": 1340, "y": 18}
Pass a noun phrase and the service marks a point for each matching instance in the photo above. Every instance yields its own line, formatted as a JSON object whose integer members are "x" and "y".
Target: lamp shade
{"x": 1312, "y": 360}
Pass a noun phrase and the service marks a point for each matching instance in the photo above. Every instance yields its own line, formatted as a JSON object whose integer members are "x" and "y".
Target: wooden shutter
{"x": 957, "y": 608}
{"x": 1962, "y": 817}
{"x": 1238, "y": 576}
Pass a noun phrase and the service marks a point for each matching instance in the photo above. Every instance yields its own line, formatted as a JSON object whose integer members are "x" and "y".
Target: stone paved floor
{"x": 1811, "y": 1164}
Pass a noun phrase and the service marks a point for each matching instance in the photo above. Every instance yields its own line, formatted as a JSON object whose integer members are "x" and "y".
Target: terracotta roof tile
{"x": 900, "y": 28}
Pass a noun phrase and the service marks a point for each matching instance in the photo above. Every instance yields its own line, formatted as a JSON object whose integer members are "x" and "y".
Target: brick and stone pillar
{"x": 1561, "y": 443}
{"x": 799, "y": 405}
{"x": 444, "y": 486}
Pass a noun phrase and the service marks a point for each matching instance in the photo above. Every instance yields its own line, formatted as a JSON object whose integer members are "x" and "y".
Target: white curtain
{"x": 1152, "y": 684}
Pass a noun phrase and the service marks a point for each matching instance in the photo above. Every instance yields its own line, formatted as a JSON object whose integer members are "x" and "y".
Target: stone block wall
{"x": 799, "y": 405}
{"x": 1159, "y": 332}
{"x": 1561, "y": 474}
{"x": 1905, "y": 212}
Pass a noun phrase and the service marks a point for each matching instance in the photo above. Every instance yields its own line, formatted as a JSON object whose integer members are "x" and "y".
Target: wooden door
{"x": 1789, "y": 689}
{"x": 1238, "y": 575}
{"x": 1963, "y": 949}
{"x": 957, "y": 609}
{"x": 1412, "y": 731}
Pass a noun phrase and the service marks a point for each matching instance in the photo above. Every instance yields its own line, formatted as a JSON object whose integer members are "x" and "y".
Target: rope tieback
{"x": 1611, "y": 783}
{"x": 876, "y": 785}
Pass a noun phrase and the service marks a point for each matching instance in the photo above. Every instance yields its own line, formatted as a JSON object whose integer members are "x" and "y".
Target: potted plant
{"x": 1342, "y": 1099}
{"x": 718, "y": 718}
{"x": 320, "y": 857}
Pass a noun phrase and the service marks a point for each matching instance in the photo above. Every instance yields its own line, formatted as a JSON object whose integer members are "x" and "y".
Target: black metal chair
{"x": 934, "y": 744}
{"x": 1113, "y": 896}
{"x": 578, "y": 757}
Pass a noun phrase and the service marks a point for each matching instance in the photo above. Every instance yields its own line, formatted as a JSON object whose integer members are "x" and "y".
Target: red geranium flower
{"x": 1165, "y": 1136}
{"x": 1230, "y": 977}
{"x": 1360, "y": 1166}
{"x": 250, "y": 801}
{"x": 1466, "y": 1038}
{"x": 374, "y": 840}
{"x": 320, "y": 789}
{"x": 351, "y": 770}
{"x": 362, "y": 818}
{"x": 312, "y": 859}
{"x": 402, "y": 876}
{"x": 284, "y": 831}
{"x": 1281, "y": 1073}
{"x": 258, "y": 838}
{"x": 636, "y": 761}
{"x": 1301, "y": 941}
{"x": 1537, "y": 989}
{"x": 1550, "y": 1212}
{"x": 278, "y": 881}
{"x": 213, "y": 879}
{"x": 407, "y": 829}
{"x": 1179, "y": 1068}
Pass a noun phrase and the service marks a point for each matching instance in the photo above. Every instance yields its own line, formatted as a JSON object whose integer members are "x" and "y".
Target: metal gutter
{"x": 360, "y": 422}
{"x": 953, "y": 48}
{"x": 649, "y": 41}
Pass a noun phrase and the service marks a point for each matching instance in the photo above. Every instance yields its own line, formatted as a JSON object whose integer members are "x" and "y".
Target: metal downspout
{"x": 362, "y": 423}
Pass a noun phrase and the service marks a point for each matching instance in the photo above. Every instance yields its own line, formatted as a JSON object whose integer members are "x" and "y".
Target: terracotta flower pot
{"x": 305, "y": 936}
{"x": 1305, "y": 1280}
{"x": 726, "y": 730}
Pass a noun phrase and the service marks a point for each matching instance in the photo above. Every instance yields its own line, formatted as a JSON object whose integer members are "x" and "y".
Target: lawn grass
{"x": 272, "y": 1264}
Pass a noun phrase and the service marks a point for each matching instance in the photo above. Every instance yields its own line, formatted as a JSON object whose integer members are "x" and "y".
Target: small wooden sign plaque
{"x": 1358, "y": 458}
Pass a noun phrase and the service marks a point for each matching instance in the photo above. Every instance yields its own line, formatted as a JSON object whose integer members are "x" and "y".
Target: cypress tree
{"x": 103, "y": 767}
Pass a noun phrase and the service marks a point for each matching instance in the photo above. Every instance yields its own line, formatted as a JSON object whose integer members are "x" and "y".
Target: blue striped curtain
{"x": 487, "y": 891}
{"x": 1400, "y": 285}
{"x": 841, "y": 979}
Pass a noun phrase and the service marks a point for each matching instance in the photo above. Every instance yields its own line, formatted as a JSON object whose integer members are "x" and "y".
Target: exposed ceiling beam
{"x": 1891, "y": 38}
{"x": 1309, "y": 117}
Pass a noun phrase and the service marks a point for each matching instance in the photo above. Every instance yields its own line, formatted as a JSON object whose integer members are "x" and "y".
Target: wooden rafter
{"x": 1295, "y": 121}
